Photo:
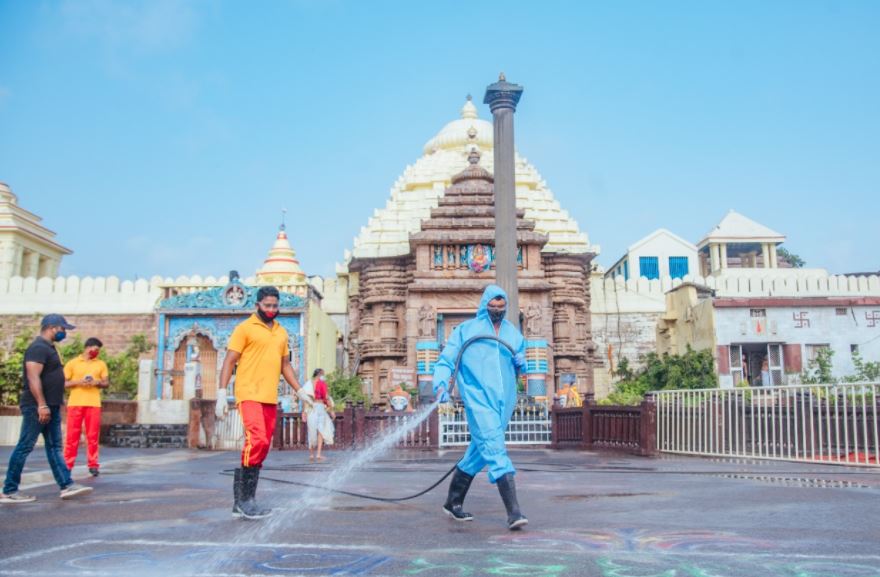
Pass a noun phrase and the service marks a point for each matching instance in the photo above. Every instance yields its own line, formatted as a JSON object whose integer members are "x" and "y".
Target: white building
{"x": 27, "y": 248}
{"x": 738, "y": 245}
{"x": 660, "y": 254}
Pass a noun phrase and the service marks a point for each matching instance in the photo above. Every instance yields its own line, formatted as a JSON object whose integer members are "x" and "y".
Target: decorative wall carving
{"x": 533, "y": 321}
{"x": 427, "y": 322}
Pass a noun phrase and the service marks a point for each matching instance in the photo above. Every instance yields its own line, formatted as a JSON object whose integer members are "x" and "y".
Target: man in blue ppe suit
{"x": 486, "y": 381}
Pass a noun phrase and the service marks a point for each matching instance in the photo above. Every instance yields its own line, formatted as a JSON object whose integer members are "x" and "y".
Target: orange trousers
{"x": 259, "y": 430}
{"x": 76, "y": 417}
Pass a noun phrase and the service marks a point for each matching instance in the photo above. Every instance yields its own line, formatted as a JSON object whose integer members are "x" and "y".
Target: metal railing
{"x": 529, "y": 425}
{"x": 353, "y": 426}
{"x": 834, "y": 423}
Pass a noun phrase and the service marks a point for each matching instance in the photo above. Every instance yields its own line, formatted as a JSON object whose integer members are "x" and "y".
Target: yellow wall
{"x": 688, "y": 320}
{"x": 321, "y": 342}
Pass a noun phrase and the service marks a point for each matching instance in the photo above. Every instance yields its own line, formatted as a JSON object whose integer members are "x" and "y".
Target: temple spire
{"x": 281, "y": 266}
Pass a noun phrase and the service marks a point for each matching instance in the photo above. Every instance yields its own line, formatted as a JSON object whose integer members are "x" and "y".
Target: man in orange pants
{"x": 259, "y": 346}
{"x": 84, "y": 377}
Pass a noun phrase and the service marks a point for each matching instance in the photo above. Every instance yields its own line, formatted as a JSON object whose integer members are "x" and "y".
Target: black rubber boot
{"x": 458, "y": 488}
{"x": 507, "y": 488}
{"x": 250, "y": 476}
{"x": 236, "y": 494}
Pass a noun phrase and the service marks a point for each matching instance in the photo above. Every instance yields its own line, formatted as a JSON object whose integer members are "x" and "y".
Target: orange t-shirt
{"x": 78, "y": 369}
{"x": 262, "y": 350}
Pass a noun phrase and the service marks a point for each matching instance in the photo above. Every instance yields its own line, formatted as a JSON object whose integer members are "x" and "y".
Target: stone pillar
{"x": 714, "y": 256}
{"x": 774, "y": 263}
{"x": 17, "y": 260}
{"x": 31, "y": 265}
{"x": 765, "y": 251}
{"x": 502, "y": 98}
{"x": 723, "y": 256}
{"x": 145, "y": 380}
{"x": 7, "y": 260}
{"x": 190, "y": 372}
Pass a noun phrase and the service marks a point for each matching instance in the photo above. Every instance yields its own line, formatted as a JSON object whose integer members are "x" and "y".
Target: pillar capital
{"x": 502, "y": 94}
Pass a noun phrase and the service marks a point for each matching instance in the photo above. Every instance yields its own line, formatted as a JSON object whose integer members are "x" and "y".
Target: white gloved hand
{"x": 303, "y": 395}
{"x": 222, "y": 406}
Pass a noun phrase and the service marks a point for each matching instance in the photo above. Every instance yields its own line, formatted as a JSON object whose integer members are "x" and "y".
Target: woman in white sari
{"x": 318, "y": 413}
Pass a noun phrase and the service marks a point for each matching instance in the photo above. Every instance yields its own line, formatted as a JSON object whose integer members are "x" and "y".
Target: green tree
{"x": 692, "y": 370}
{"x": 866, "y": 371}
{"x": 819, "y": 370}
{"x": 792, "y": 259}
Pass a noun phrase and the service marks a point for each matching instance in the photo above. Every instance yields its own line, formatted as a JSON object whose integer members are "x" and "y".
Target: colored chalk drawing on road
{"x": 665, "y": 554}
{"x": 494, "y": 566}
{"x": 733, "y": 567}
{"x": 629, "y": 540}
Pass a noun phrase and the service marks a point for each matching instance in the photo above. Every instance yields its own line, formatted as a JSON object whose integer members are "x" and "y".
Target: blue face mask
{"x": 60, "y": 336}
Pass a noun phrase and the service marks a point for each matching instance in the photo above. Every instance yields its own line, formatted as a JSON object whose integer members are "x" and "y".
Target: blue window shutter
{"x": 649, "y": 267}
{"x": 678, "y": 266}
{"x": 626, "y": 269}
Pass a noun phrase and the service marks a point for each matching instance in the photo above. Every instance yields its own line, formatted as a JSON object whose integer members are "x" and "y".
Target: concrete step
{"x": 148, "y": 436}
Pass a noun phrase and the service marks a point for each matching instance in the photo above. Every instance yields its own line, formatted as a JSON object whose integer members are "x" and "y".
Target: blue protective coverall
{"x": 486, "y": 381}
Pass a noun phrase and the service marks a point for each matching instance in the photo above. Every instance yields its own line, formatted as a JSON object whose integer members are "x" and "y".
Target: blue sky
{"x": 164, "y": 137}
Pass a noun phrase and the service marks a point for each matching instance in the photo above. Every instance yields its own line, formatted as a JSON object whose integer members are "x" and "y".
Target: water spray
{"x": 452, "y": 379}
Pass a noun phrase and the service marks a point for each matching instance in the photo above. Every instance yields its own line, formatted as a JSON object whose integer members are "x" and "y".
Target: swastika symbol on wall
{"x": 801, "y": 320}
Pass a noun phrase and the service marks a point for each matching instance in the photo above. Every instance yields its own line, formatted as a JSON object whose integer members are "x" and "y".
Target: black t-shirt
{"x": 43, "y": 352}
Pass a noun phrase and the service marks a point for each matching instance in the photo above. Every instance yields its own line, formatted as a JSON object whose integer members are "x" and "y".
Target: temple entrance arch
{"x": 197, "y": 348}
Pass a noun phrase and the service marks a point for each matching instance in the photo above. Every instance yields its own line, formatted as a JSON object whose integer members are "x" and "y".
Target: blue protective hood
{"x": 492, "y": 292}
{"x": 486, "y": 380}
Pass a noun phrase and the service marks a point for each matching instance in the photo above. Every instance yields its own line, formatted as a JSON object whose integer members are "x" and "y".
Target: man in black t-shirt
{"x": 41, "y": 400}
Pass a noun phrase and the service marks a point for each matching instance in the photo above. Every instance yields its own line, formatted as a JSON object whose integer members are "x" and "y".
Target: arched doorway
{"x": 195, "y": 348}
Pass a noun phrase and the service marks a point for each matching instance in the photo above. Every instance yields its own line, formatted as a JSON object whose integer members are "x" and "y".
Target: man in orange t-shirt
{"x": 259, "y": 346}
{"x": 84, "y": 377}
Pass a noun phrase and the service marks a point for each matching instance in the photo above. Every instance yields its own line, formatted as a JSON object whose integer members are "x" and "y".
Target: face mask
{"x": 60, "y": 336}
{"x": 497, "y": 316}
{"x": 93, "y": 354}
{"x": 266, "y": 316}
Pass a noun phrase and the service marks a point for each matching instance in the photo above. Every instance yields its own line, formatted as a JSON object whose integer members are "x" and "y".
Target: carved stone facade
{"x": 402, "y": 309}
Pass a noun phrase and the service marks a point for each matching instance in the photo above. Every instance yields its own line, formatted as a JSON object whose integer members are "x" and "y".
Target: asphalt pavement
{"x": 167, "y": 513}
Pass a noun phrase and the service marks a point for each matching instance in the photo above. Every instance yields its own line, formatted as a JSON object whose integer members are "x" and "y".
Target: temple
{"x": 420, "y": 265}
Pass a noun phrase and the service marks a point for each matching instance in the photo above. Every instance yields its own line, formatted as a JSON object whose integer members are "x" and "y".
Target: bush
{"x": 12, "y": 370}
{"x": 865, "y": 371}
{"x": 819, "y": 370}
{"x": 692, "y": 370}
{"x": 345, "y": 388}
{"x": 123, "y": 367}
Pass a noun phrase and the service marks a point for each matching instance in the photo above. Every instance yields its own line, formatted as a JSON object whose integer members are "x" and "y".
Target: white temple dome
{"x": 467, "y": 130}
{"x": 422, "y": 184}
